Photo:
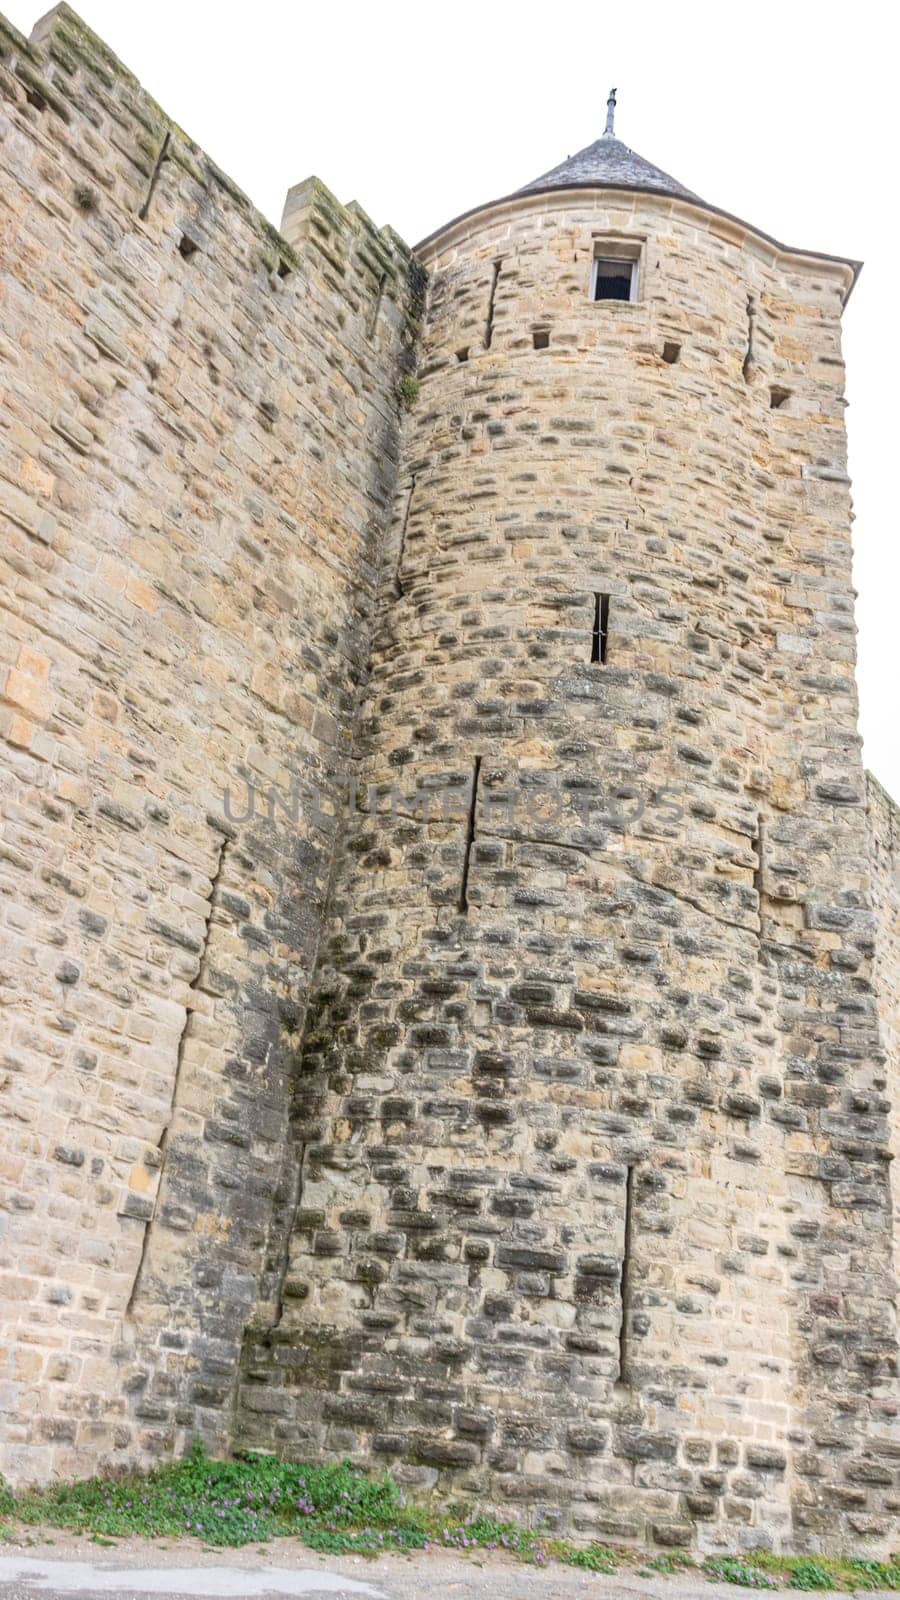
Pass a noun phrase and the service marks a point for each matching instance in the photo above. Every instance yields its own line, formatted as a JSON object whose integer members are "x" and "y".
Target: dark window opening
{"x": 600, "y": 634}
{"x": 187, "y": 246}
{"x": 284, "y": 270}
{"x": 625, "y": 1282}
{"x": 777, "y": 397}
{"x": 541, "y": 337}
{"x": 36, "y": 99}
{"x": 463, "y": 355}
{"x": 613, "y": 280}
{"x": 671, "y": 352}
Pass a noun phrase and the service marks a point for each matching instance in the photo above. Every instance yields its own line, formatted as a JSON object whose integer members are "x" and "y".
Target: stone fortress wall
{"x": 200, "y": 435}
{"x": 570, "y": 1189}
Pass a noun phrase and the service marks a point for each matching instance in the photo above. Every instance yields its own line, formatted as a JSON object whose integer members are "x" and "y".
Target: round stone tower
{"x": 591, "y": 1212}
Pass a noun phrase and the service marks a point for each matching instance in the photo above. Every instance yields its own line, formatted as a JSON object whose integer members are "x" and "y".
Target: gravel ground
{"x": 64, "y": 1566}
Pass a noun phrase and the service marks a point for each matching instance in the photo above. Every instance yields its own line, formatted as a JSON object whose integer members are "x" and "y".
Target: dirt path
{"x": 135, "y": 1568}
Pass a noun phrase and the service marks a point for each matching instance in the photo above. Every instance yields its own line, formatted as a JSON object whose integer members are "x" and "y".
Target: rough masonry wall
{"x": 198, "y": 439}
{"x": 577, "y": 1195}
{"x": 593, "y": 1214}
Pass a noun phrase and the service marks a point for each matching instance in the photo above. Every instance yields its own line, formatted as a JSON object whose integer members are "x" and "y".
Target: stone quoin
{"x": 523, "y": 1123}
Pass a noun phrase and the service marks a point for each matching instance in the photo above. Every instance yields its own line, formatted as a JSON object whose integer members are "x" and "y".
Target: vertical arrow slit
{"x": 625, "y": 1282}
{"x": 398, "y": 581}
{"x": 489, "y": 327}
{"x": 470, "y": 839}
{"x": 758, "y": 883}
{"x": 376, "y": 308}
{"x": 157, "y": 167}
{"x": 751, "y": 324}
{"x": 600, "y": 634}
{"x": 197, "y": 983}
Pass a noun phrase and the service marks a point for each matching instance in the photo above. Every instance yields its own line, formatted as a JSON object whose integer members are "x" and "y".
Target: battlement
{"x": 67, "y": 70}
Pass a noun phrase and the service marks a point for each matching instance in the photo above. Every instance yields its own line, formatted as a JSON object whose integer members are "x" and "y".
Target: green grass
{"x": 875, "y": 1574}
{"x": 223, "y": 1502}
{"x": 408, "y": 391}
{"x": 339, "y": 1510}
{"x": 594, "y": 1558}
{"x": 334, "y": 1509}
{"x": 763, "y": 1570}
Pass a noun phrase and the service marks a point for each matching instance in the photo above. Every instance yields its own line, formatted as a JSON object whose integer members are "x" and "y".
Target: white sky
{"x": 783, "y": 114}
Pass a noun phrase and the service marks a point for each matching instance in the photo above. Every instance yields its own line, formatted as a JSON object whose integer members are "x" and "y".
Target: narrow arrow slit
{"x": 157, "y": 167}
{"x": 600, "y": 633}
{"x": 489, "y": 328}
{"x": 625, "y": 1282}
{"x": 470, "y": 839}
{"x": 751, "y": 328}
{"x": 163, "y": 1146}
{"x": 758, "y": 884}
{"x": 398, "y": 581}
{"x": 373, "y": 320}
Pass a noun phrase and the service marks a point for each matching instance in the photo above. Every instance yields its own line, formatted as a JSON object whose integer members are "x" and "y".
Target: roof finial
{"x": 610, "y": 114}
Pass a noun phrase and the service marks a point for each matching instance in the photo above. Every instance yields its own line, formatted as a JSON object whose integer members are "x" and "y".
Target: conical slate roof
{"x": 608, "y": 163}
